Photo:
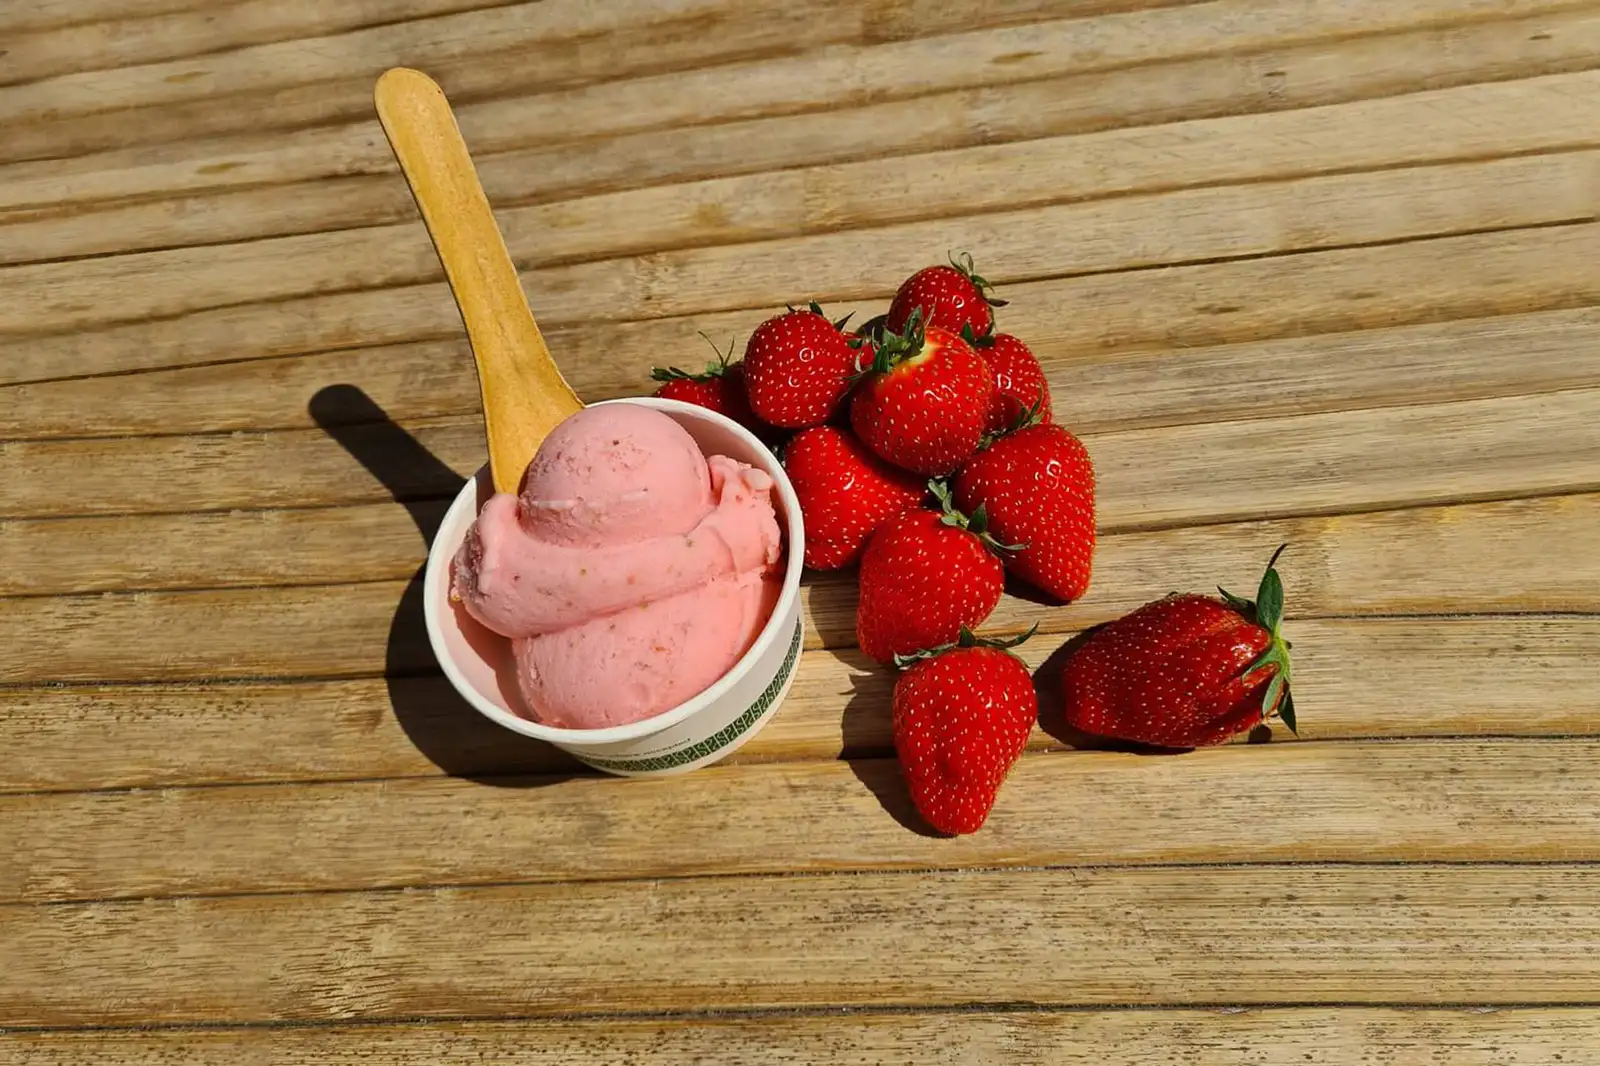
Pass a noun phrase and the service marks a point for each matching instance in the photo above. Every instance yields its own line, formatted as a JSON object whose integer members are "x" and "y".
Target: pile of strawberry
{"x": 922, "y": 446}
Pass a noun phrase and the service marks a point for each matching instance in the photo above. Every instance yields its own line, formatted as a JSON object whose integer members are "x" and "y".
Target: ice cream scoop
{"x": 630, "y": 572}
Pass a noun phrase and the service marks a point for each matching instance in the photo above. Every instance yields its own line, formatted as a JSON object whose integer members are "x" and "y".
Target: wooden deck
{"x": 1316, "y": 271}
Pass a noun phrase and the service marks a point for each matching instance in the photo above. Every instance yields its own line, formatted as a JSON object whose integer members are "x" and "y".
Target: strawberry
{"x": 925, "y": 576}
{"x": 962, "y": 715}
{"x": 950, "y": 297}
{"x": 1184, "y": 671}
{"x": 1037, "y": 486}
{"x": 1019, "y": 384}
{"x": 798, "y": 367}
{"x": 845, "y": 493}
{"x": 923, "y": 400}
{"x": 720, "y": 387}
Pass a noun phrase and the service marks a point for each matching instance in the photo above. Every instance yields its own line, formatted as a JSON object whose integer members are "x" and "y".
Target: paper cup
{"x": 690, "y": 735}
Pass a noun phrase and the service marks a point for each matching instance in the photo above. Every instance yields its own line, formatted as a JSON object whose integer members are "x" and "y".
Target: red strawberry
{"x": 924, "y": 577}
{"x": 845, "y": 493}
{"x": 1019, "y": 384}
{"x": 951, "y": 297}
{"x": 1037, "y": 486}
{"x": 924, "y": 400}
{"x": 719, "y": 387}
{"x": 798, "y": 367}
{"x": 961, "y": 718}
{"x": 1184, "y": 671}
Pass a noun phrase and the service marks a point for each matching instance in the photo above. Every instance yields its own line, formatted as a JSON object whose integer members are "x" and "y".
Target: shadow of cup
{"x": 439, "y": 723}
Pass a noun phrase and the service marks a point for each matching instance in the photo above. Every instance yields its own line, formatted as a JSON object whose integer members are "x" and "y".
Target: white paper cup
{"x": 690, "y": 735}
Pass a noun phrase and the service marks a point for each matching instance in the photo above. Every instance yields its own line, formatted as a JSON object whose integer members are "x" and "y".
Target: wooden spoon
{"x": 524, "y": 394}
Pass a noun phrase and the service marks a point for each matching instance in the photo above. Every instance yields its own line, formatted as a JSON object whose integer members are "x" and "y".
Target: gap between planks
{"x": 1002, "y": 1035}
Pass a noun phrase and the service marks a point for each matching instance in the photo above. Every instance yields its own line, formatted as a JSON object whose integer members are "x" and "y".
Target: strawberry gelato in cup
{"x": 637, "y": 601}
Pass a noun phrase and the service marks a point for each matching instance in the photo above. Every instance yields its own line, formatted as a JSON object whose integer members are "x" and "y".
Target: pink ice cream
{"x": 630, "y": 572}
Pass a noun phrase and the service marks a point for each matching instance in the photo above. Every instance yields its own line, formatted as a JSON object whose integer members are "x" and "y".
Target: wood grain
{"x": 1387, "y": 552}
{"x": 1366, "y": 459}
{"x": 1351, "y": 564}
{"x": 1309, "y": 272}
{"x": 1358, "y": 802}
{"x": 1278, "y": 1036}
{"x": 837, "y": 76}
{"x": 1299, "y": 935}
{"x": 127, "y": 37}
{"x": 1178, "y": 306}
{"x": 1474, "y": 121}
{"x": 1099, "y": 236}
{"x": 1461, "y": 359}
{"x": 316, "y": 66}
{"x": 1373, "y": 678}
{"x": 1319, "y": 73}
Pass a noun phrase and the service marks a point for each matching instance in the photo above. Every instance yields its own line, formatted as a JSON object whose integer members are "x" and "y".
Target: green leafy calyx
{"x": 1266, "y": 611}
{"x": 895, "y": 348}
{"x": 714, "y": 369}
{"x": 976, "y": 523}
{"x": 967, "y": 639}
{"x": 963, "y": 263}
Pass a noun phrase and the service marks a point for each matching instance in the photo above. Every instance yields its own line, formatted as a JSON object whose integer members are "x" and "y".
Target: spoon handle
{"x": 524, "y": 394}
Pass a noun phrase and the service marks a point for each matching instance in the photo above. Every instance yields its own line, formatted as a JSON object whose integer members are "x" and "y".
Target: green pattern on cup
{"x": 717, "y": 741}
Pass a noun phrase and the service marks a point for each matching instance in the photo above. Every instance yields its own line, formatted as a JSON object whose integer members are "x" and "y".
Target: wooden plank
{"x": 296, "y": 468}
{"x": 48, "y": 14}
{"x": 1474, "y": 121}
{"x": 1449, "y": 801}
{"x": 1366, "y": 459}
{"x": 345, "y": 630}
{"x": 1404, "y": 677}
{"x": 1317, "y": 1036}
{"x": 378, "y": 542}
{"x": 1180, "y": 936}
{"x": 224, "y": 549}
{"x": 846, "y": 73}
{"x": 1520, "y": 676}
{"x": 122, "y": 38}
{"x": 1464, "y": 359}
{"x": 1172, "y": 307}
{"x": 320, "y": 631}
{"x": 1317, "y": 72}
{"x": 1384, "y": 458}
{"x": 292, "y": 82}
{"x": 320, "y": 730}
{"x": 1345, "y": 461}
{"x": 1099, "y": 236}
{"x": 340, "y": 62}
